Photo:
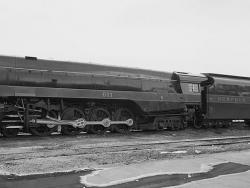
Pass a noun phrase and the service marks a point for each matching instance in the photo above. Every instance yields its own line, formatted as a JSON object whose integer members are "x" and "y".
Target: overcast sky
{"x": 183, "y": 35}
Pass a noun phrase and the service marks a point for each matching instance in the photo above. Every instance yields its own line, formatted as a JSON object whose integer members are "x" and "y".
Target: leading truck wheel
{"x": 71, "y": 114}
{"x": 123, "y": 114}
{"x": 9, "y": 133}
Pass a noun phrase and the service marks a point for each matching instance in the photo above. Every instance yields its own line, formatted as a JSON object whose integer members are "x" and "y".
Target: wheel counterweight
{"x": 98, "y": 114}
{"x": 71, "y": 113}
{"x": 123, "y": 114}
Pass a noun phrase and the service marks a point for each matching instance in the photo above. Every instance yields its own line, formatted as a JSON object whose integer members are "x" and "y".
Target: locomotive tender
{"x": 43, "y": 96}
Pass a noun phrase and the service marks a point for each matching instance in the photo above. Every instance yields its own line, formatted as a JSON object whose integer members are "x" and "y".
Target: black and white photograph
{"x": 124, "y": 93}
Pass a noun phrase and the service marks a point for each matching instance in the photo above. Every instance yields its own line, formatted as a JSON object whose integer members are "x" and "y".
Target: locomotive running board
{"x": 80, "y": 123}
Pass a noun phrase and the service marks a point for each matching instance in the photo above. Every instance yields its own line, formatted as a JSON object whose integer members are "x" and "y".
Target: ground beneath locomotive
{"x": 57, "y": 156}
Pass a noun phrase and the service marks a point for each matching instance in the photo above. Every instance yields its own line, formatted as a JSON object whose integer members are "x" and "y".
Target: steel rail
{"x": 144, "y": 146}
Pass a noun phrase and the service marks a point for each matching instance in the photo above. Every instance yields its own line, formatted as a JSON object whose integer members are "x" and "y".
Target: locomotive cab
{"x": 191, "y": 88}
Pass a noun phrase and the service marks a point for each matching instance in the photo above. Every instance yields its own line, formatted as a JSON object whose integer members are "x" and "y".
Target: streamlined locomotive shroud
{"x": 43, "y": 96}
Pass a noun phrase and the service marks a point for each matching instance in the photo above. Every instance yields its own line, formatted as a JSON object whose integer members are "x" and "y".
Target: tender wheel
{"x": 122, "y": 114}
{"x": 220, "y": 124}
{"x": 71, "y": 114}
{"x": 9, "y": 133}
{"x": 43, "y": 129}
{"x": 206, "y": 125}
{"x": 98, "y": 114}
{"x": 226, "y": 125}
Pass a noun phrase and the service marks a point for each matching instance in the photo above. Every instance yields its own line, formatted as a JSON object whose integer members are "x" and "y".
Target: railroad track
{"x": 226, "y": 139}
{"x": 119, "y": 148}
{"x": 182, "y": 143}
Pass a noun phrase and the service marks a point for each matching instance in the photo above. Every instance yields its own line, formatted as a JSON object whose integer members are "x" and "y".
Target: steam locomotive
{"x": 43, "y": 96}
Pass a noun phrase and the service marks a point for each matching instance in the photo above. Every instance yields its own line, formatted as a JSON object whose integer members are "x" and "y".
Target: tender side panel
{"x": 228, "y": 107}
{"x": 229, "y": 98}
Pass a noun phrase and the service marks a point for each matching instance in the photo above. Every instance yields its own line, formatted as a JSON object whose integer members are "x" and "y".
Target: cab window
{"x": 194, "y": 88}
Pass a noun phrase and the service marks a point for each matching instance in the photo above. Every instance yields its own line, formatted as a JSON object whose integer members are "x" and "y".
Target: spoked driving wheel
{"x": 98, "y": 114}
{"x": 71, "y": 114}
{"x": 123, "y": 114}
{"x": 43, "y": 129}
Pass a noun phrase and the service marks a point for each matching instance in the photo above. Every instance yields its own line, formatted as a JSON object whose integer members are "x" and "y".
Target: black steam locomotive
{"x": 42, "y": 96}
